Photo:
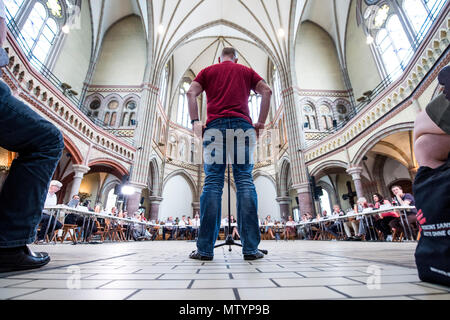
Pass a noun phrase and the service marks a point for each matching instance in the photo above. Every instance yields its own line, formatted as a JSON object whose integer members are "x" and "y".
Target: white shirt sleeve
{"x": 2, "y": 10}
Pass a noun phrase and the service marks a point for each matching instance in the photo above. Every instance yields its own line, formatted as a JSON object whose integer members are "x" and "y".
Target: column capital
{"x": 355, "y": 172}
{"x": 301, "y": 187}
{"x": 79, "y": 168}
{"x": 283, "y": 200}
{"x": 155, "y": 199}
{"x": 196, "y": 205}
{"x": 138, "y": 186}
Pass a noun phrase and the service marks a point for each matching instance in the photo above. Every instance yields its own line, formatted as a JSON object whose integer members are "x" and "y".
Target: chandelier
{"x": 54, "y": 7}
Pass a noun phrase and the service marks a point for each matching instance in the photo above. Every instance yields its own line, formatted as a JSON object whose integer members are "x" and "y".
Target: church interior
{"x": 348, "y": 77}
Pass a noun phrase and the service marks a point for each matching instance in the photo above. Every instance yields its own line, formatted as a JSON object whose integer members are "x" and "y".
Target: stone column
{"x": 196, "y": 208}
{"x": 284, "y": 203}
{"x": 305, "y": 203}
{"x": 134, "y": 200}
{"x": 80, "y": 171}
{"x": 154, "y": 207}
{"x": 355, "y": 172}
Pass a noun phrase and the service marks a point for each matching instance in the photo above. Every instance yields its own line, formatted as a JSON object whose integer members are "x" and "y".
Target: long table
{"x": 59, "y": 211}
{"x": 367, "y": 215}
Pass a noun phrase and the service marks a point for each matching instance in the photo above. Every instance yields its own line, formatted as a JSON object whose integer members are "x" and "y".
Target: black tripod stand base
{"x": 230, "y": 242}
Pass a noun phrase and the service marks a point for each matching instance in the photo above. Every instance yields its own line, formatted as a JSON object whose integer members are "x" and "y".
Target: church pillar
{"x": 134, "y": 200}
{"x": 154, "y": 207}
{"x": 80, "y": 171}
{"x": 284, "y": 203}
{"x": 355, "y": 172}
{"x": 297, "y": 145}
{"x": 196, "y": 208}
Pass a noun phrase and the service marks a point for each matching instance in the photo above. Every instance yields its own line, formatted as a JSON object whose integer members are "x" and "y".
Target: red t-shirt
{"x": 227, "y": 86}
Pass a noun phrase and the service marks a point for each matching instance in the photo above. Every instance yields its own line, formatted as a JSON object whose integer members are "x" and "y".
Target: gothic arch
{"x": 328, "y": 165}
{"x": 374, "y": 139}
{"x": 260, "y": 173}
{"x": 116, "y": 168}
{"x": 77, "y": 158}
{"x": 188, "y": 178}
{"x": 153, "y": 182}
{"x": 285, "y": 170}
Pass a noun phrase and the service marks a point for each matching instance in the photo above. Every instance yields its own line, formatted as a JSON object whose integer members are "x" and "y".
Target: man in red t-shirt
{"x": 227, "y": 86}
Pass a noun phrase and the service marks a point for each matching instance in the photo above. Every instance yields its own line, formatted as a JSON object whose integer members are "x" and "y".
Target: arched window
{"x": 183, "y": 117}
{"x": 418, "y": 12}
{"x": 112, "y": 123}
{"x": 395, "y": 29}
{"x": 326, "y": 117}
{"x": 132, "y": 121}
{"x": 310, "y": 117}
{"x": 393, "y": 45}
{"x": 164, "y": 85}
{"x": 276, "y": 88}
{"x": 254, "y": 104}
{"x": 12, "y": 8}
{"x": 125, "y": 119}
{"x": 107, "y": 118}
{"x": 41, "y": 28}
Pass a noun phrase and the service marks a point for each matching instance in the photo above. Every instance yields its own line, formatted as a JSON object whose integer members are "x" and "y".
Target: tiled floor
{"x": 162, "y": 271}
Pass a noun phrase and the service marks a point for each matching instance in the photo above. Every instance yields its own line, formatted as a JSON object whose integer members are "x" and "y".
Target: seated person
{"x": 290, "y": 228}
{"x": 195, "y": 226}
{"x": 278, "y": 229}
{"x": 382, "y": 220}
{"x": 269, "y": 229}
{"x": 182, "y": 227}
{"x": 334, "y": 227}
{"x": 48, "y": 221}
{"x": 234, "y": 232}
{"x": 169, "y": 226}
{"x": 359, "y": 207}
{"x": 404, "y": 199}
{"x": 189, "y": 229}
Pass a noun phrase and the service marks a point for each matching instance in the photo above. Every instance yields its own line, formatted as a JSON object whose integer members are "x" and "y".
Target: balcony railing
{"x": 435, "y": 13}
{"x": 58, "y": 84}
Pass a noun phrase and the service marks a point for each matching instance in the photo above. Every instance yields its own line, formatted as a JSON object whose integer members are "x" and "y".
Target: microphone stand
{"x": 229, "y": 240}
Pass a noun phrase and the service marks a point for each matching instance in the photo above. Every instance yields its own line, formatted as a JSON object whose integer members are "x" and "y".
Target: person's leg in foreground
{"x": 247, "y": 199}
{"x": 40, "y": 145}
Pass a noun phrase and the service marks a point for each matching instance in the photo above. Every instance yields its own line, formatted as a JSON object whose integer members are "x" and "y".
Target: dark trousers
{"x": 40, "y": 145}
{"x": 333, "y": 229}
{"x": 383, "y": 225}
{"x": 171, "y": 230}
{"x": 48, "y": 221}
{"x": 412, "y": 221}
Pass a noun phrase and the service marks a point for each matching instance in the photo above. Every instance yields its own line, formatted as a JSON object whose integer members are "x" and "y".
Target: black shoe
{"x": 22, "y": 259}
{"x": 197, "y": 256}
{"x": 256, "y": 256}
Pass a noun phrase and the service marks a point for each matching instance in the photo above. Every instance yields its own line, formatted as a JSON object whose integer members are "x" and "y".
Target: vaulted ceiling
{"x": 194, "y": 31}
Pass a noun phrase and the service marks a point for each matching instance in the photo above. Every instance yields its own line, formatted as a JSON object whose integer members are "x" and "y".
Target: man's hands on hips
{"x": 199, "y": 128}
{"x": 259, "y": 127}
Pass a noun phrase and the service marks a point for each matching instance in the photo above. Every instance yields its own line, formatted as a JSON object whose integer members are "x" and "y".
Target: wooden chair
{"x": 397, "y": 235}
{"x": 71, "y": 231}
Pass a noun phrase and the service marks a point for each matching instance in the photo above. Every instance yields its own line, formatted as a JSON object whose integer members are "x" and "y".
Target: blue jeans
{"x": 211, "y": 199}
{"x": 40, "y": 145}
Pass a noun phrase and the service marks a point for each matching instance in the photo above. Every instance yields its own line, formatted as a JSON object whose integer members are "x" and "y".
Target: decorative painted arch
{"x": 77, "y": 158}
{"x": 307, "y": 100}
{"x": 377, "y": 137}
{"x": 260, "y": 173}
{"x": 153, "y": 178}
{"x": 328, "y": 165}
{"x": 188, "y": 178}
{"x": 107, "y": 187}
{"x": 283, "y": 185}
{"x": 117, "y": 169}
{"x": 131, "y": 96}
